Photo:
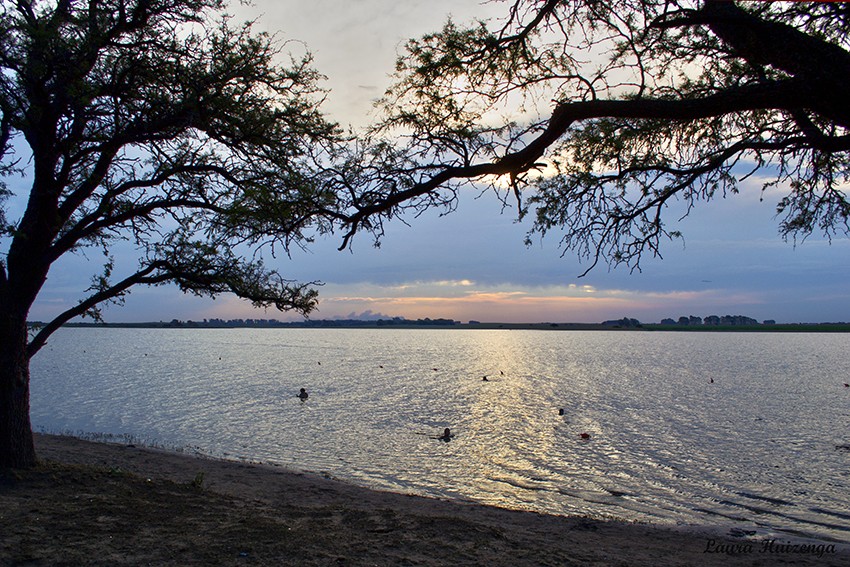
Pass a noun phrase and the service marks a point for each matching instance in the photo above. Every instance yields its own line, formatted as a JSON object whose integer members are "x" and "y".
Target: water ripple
{"x": 664, "y": 443}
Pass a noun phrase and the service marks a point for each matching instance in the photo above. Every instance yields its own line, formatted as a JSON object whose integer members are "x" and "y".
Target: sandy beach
{"x": 107, "y": 504}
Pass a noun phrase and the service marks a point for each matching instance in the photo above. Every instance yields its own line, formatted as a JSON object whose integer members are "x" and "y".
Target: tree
{"x": 158, "y": 123}
{"x": 598, "y": 115}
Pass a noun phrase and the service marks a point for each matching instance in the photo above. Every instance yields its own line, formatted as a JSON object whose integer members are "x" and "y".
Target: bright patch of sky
{"x": 472, "y": 264}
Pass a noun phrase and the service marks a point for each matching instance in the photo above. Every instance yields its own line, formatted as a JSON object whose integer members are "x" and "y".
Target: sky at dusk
{"x": 472, "y": 264}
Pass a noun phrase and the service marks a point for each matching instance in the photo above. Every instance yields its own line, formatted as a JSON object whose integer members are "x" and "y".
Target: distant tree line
{"x": 624, "y": 323}
{"x": 274, "y": 323}
{"x": 715, "y": 320}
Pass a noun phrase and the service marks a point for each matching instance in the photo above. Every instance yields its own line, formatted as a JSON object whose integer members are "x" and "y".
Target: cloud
{"x": 355, "y": 44}
{"x": 454, "y": 283}
{"x": 367, "y": 315}
{"x": 506, "y": 303}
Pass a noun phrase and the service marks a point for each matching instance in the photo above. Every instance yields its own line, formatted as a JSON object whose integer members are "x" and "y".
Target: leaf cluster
{"x": 597, "y": 116}
{"x": 164, "y": 124}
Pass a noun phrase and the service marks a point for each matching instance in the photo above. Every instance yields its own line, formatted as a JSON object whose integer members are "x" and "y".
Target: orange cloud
{"x": 570, "y": 303}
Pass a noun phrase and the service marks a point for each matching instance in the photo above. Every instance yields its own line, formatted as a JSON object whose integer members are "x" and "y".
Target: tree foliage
{"x": 596, "y": 116}
{"x": 152, "y": 121}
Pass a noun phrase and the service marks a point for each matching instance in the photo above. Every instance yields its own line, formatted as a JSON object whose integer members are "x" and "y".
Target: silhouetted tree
{"x": 597, "y": 115}
{"x": 156, "y": 122}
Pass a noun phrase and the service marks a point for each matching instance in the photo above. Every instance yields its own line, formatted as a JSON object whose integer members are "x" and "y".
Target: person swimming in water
{"x": 446, "y": 436}
{"x": 303, "y": 394}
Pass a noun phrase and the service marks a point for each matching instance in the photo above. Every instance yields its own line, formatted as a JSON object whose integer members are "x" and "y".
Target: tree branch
{"x": 542, "y": 13}
{"x": 96, "y": 227}
{"x": 87, "y": 304}
{"x": 784, "y": 94}
{"x": 93, "y": 223}
{"x": 822, "y": 68}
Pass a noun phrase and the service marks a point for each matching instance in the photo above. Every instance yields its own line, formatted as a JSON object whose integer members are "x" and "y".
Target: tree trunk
{"x": 16, "y": 441}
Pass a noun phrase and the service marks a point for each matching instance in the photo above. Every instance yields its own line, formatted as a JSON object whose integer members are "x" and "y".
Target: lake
{"x": 746, "y": 429}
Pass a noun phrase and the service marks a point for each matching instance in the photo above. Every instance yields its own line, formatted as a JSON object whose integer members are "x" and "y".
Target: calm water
{"x": 756, "y": 448}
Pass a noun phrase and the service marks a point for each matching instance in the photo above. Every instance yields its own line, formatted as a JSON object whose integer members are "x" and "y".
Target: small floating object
{"x": 846, "y": 385}
{"x": 584, "y": 435}
{"x": 484, "y": 379}
{"x": 446, "y": 436}
{"x": 435, "y": 369}
{"x": 711, "y": 380}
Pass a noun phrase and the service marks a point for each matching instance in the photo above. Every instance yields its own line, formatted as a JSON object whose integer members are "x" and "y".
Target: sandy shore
{"x": 106, "y": 504}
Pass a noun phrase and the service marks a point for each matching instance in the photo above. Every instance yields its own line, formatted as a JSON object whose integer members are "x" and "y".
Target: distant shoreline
{"x": 334, "y": 324}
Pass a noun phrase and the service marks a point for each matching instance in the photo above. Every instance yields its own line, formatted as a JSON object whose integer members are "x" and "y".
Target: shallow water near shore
{"x": 743, "y": 429}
